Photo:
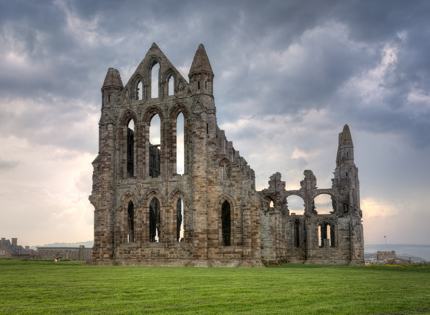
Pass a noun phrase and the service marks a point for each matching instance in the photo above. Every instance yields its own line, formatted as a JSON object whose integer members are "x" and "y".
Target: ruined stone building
{"x": 10, "y": 248}
{"x": 208, "y": 212}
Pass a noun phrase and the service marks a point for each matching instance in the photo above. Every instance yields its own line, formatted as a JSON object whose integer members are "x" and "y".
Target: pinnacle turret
{"x": 345, "y": 150}
{"x": 201, "y": 63}
{"x": 345, "y": 136}
{"x": 112, "y": 79}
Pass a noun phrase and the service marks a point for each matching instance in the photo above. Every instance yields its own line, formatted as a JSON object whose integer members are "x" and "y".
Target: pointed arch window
{"x": 130, "y": 148}
{"x": 180, "y": 220}
{"x": 139, "y": 90}
{"x": 154, "y": 221}
{"x": 155, "y": 74}
{"x": 226, "y": 223}
{"x": 155, "y": 146}
{"x": 171, "y": 86}
{"x": 130, "y": 223}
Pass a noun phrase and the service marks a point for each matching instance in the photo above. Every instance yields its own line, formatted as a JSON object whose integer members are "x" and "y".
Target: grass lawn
{"x": 40, "y": 287}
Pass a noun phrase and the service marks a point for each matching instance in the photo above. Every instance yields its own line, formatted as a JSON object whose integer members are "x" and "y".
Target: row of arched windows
{"x": 323, "y": 204}
{"x": 154, "y": 167}
{"x": 154, "y": 224}
{"x": 139, "y": 88}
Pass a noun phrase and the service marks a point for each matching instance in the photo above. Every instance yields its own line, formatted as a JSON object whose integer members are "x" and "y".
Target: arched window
{"x": 130, "y": 148}
{"x": 271, "y": 204}
{"x": 226, "y": 223}
{"x": 155, "y": 73}
{"x": 323, "y": 204}
{"x": 154, "y": 220}
{"x": 319, "y": 235}
{"x": 139, "y": 90}
{"x": 180, "y": 220}
{"x": 171, "y": 86}
{"x": 180, "y": 144}
{"x": 155, "y": 146}
{"x": 297, "y": 233}
{"x": 296, "y": 205}
{"x": 130, "y": 222}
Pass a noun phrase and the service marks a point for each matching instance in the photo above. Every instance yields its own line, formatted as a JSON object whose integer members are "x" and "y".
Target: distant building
{"x": 10, "y": 248}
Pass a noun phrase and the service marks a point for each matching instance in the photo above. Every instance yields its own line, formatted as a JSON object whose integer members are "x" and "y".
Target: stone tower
{"x": 158, "y": 201}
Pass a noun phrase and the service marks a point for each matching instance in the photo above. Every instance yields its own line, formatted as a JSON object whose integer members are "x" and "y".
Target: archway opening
{"x": 296, "y": 205}
{"x": 323, "y": 204}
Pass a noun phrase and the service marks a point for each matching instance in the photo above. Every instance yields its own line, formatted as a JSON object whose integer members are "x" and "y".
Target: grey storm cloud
{"x": 68, "y": 46}
{"x": 288, "y": 75}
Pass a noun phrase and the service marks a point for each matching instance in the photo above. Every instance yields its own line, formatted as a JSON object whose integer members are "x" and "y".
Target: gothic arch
{"x": 178, "y": 108}
{"x": 126, "y": 116}
{"x": 151, "y": 193}
{"x": 150, "y": 112}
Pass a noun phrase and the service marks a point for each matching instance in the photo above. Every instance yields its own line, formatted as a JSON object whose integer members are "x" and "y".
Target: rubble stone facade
{"x": 210, "y": 213}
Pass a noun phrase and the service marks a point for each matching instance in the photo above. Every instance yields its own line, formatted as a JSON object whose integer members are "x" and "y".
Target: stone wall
{"x": 64, "y": 253}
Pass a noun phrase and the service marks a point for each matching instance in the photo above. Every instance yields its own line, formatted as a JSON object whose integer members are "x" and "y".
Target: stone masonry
{"x": 146, "y": 212}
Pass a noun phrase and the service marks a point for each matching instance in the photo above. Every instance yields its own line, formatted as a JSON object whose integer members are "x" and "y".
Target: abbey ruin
{"x": 209, "y": 213}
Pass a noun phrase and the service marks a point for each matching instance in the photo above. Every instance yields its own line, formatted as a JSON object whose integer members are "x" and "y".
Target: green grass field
{"x": 36, "y": 287}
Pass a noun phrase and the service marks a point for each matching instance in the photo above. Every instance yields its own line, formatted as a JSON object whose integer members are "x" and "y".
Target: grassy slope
{"x": 45, "y": 287}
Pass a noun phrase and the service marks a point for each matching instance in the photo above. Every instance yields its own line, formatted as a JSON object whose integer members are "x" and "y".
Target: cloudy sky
{"x": 288, "y": 75}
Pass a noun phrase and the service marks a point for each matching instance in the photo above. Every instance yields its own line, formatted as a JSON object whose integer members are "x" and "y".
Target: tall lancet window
{"x": 180, "y": 144}
{"x": 171, "y": 86}
{"x": 154, "y": 221}
{"x": 180, "y": 220}
{"x": 155, "y": 147}
{"x": 130, "y": 222}
{"x": 130, "y": 148}
{"x": 139, "y": 90}
{"x": 226, "y": 223}
{"x": 155, "y": 73}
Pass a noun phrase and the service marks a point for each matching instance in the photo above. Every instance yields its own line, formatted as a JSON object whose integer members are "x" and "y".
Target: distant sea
{"x": 422, "y": 251}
